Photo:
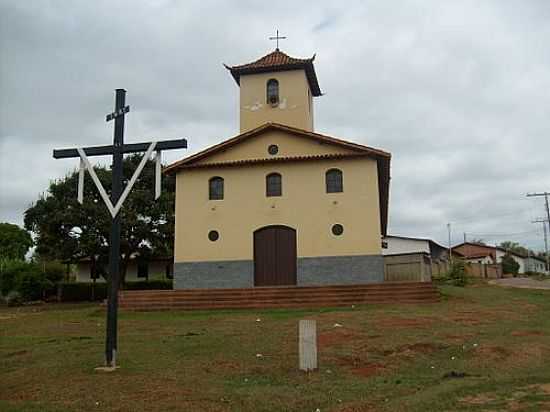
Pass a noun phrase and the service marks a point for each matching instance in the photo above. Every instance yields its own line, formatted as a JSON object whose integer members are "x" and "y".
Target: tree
{"x": 478, "y": 241}
{"x": 514, "y": 247}
{"x": 14, "y": 242}
{"x": 509, "y": 264}
{"x": 68, "y": 231}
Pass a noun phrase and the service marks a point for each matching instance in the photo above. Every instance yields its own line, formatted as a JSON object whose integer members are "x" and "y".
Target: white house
{"x": 402, "y": 245}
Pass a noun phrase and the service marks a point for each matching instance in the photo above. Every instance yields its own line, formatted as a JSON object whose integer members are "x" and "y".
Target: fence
{"x": 410, "y": 267}
{"x": 482, "y": 270}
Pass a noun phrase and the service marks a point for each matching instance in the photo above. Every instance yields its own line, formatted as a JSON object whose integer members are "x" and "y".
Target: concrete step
{"x": 274, "y": 291}
{"x": 220, "y": 298}
{"x": 312, "y": 305}
{"x": 279, "y": 297}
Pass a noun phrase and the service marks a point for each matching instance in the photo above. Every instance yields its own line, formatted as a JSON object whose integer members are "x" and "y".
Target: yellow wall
{"x": 295, "y": 100}
{"x": 304, "y": 206}
{"x": 289, "y": 145}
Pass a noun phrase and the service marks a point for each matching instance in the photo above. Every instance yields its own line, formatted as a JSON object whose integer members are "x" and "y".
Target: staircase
{"x": 279, "y": 297}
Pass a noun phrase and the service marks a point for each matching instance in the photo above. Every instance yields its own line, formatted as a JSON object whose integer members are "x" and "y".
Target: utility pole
{"x": 545, "y": 194}
{"x": 544, "y": 221}
{"x": 450, "y": 250}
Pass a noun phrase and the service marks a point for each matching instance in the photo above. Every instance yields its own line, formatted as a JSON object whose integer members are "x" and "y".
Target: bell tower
{"x": 276, "y": 88}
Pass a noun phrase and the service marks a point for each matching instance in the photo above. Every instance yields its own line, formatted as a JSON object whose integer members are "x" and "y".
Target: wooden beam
{"x": 127, "y": 148}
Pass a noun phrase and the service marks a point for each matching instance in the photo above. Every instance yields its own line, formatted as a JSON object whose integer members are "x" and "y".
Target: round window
{"x": 273, "y": 149}
{"x": 337, "y": 229}
{"x": 213, "y": 235}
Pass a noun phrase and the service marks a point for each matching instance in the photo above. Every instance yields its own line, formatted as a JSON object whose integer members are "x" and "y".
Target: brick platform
{"x": 279, "y": 297}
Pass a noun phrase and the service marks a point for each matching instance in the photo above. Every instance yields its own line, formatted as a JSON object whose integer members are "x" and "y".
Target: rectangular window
{"x": 274, "y": 185}
{"x": 215, "y": 188}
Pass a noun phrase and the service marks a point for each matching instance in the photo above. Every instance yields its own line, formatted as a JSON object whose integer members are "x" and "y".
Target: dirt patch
{"x": 538, "y": 387}
{"x": 369, "y": 369}
{"x": 360, "y": 367}
{"x": 337, "y": 336}
{"x": 392, "y": 322}
{"x": 356, "y": 407}
{"x": 414, "y": 349}
{"x": 527, "y": 333}
{"x": 481, "y": 399}
{"x": 493, "y": 352}
{"x": 458, "y": 338}
{"x": 228, "y": 365}
{"x": 18, "y": 353}
{"x": 467, "y": 320}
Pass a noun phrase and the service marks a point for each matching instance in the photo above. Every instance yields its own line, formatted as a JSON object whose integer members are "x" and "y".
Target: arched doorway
{"x": 274, "y": 256}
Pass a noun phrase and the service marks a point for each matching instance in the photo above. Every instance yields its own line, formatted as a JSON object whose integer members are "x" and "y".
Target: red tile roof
{"x": 382, "y": 159}
{"x": 275, "y": 62}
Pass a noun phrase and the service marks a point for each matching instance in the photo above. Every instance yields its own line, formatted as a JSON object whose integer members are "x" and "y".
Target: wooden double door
{"x": 275, "y": 256}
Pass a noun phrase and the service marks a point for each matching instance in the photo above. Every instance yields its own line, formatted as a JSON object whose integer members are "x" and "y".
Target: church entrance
{"x": 274, "y": 256}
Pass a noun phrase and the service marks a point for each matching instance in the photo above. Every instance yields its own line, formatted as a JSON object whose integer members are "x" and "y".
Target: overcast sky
{"x": 458, "y": 92}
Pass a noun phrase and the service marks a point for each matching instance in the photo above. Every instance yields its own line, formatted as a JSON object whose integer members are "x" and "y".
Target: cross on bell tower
{"x": 277, "y": 38}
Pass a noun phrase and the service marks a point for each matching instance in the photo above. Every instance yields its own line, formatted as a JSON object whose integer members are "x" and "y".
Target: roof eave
{"x": 237, "y": 72}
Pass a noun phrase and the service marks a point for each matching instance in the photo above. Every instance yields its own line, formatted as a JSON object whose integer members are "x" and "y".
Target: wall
{"x": 470, "y": 249}
{"x": 482, "y": 259}
{"x": 289, "y": 146}
{"x": 480, "y": 270}
{"x": 535, "y": 265}
{"x": 157, "y": 270}
{"x": 399, "y": 245}
{"x": 295, "y": 106}
{"x": 412, "y": 267}
{"x": 304, "y": 206}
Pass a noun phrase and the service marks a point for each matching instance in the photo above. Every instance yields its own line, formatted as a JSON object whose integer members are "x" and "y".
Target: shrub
{"x": 13, "y": 299}
{"x": 149, "y": 285}
{"x": 457, "y": 273}
{"x": 30, "y": 280}
{"x": 82, "y": 292}
{"x": 32, "y": 284}
{"x": 509, "y": 265}
{"x": 54, "y": 271}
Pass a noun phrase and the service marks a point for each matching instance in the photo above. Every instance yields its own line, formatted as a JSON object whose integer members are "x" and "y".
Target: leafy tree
{"x": 68, "y": 231}
{"x": 14, "y": 242}
{"x": 509, "y": 265}
{"x": 478, "y": 241}
{"x": 514, "y": 247}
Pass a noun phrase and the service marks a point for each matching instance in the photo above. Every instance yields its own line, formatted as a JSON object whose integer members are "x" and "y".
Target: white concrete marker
{"x": 308, "y": 345}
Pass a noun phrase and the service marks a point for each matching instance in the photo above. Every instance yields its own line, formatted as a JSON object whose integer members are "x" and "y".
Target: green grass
{"x": 384, "y": 357}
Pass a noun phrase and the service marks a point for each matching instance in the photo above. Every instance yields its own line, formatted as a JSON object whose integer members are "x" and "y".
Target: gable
{"x": 297, "y": 145}
{"x": 288, "y": 145}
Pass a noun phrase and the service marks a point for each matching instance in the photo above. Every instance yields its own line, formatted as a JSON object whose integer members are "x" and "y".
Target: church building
{"x": 280, "y": 204}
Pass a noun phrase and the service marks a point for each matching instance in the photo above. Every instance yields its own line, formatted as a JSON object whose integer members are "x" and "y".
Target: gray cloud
{"x": 457, "y": 91}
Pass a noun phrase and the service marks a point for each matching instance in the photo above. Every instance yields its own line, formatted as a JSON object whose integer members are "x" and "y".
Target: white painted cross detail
{"x": 117, "y": 113}
{"x": 114, "y": 209}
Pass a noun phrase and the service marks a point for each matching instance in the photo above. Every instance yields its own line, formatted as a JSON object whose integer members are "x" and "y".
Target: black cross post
{"x": 277, "y": 38}
{"x": 117, "y": 150}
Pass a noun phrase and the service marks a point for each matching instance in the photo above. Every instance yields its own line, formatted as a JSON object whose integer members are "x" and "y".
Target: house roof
{"x": 278, "y": 61}
{"x": 382, "y": 158}
{"x": 417, "y": 238}
{"x": 490, "y": 249}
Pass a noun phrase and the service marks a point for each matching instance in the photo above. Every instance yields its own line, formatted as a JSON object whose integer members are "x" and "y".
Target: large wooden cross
{"x": 114, "y": 204}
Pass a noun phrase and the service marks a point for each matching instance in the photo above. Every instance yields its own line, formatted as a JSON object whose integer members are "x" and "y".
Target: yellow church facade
{"x": 280, "y": 204}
